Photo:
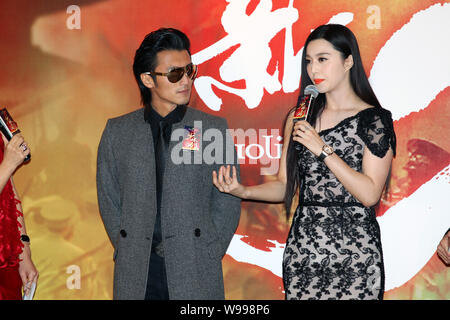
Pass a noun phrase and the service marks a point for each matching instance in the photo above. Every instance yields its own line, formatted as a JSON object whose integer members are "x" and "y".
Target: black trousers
{"x": 157, "y": 279}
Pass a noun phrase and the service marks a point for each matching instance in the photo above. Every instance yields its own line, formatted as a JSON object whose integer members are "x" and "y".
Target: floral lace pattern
{"x": 333, "y": 250}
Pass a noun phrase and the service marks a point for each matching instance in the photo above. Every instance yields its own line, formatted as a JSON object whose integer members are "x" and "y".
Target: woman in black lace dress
{"x": 339, "y": 161}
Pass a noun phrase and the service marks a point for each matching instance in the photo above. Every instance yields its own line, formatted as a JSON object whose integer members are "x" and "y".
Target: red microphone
{"x": 304, "y": 109}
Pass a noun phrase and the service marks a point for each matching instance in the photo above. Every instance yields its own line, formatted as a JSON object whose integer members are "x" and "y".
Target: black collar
{"x": 175, "y": 116}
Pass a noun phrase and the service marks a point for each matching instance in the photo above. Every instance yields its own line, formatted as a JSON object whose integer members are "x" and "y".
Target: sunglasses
{"x": 176, "y": 74}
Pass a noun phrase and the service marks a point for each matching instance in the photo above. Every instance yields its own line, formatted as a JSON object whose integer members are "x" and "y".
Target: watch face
{"x": 328, "y": 150}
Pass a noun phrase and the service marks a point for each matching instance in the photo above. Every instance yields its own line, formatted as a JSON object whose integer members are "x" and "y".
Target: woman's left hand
{"x": 27, "y": 270}
{"x": 305, "y": 134}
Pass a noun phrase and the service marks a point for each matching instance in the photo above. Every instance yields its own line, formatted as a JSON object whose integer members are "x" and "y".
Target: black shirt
{"x": 155, "y": 119}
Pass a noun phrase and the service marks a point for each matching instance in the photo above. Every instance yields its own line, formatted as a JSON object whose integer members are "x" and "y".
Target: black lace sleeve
{"x": 376, "y": 129}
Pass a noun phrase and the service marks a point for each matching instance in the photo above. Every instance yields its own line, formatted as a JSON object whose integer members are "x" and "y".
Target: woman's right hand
{"x": 228, "y": 184}
{"x": 15, "y": 152}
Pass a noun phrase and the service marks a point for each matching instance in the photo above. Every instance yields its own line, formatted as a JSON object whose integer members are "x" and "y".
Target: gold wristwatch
{"x": 326, "y": 151}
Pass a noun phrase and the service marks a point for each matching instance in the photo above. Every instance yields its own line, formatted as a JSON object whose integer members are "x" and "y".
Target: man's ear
{"x": 147, "y": 80}
{"x": 348, "y": 63}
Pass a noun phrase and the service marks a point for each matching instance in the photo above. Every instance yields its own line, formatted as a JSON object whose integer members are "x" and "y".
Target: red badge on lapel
{"x": 191, "y": 139}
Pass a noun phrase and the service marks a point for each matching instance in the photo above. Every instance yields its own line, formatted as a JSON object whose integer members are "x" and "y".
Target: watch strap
{"x": 322, "y": 155}
{"x": 326, "y": 151}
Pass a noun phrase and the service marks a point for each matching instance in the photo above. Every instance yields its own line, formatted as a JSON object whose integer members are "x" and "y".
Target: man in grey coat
{"x": 169, "y": 226}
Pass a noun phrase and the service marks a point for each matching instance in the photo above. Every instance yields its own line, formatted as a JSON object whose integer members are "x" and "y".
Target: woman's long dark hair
{"x": 344, "y": 41}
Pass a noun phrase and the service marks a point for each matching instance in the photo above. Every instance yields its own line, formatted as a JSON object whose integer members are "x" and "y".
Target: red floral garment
{"x": 10, "y": 244}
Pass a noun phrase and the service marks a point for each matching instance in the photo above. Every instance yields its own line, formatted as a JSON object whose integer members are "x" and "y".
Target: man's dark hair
{"x": 145, "y": 59}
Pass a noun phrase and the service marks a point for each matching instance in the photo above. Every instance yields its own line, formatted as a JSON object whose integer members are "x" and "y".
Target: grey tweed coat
{"x": 197, "y": 221}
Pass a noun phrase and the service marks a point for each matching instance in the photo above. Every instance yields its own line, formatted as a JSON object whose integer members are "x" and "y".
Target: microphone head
{"x": 311, "y": 90}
